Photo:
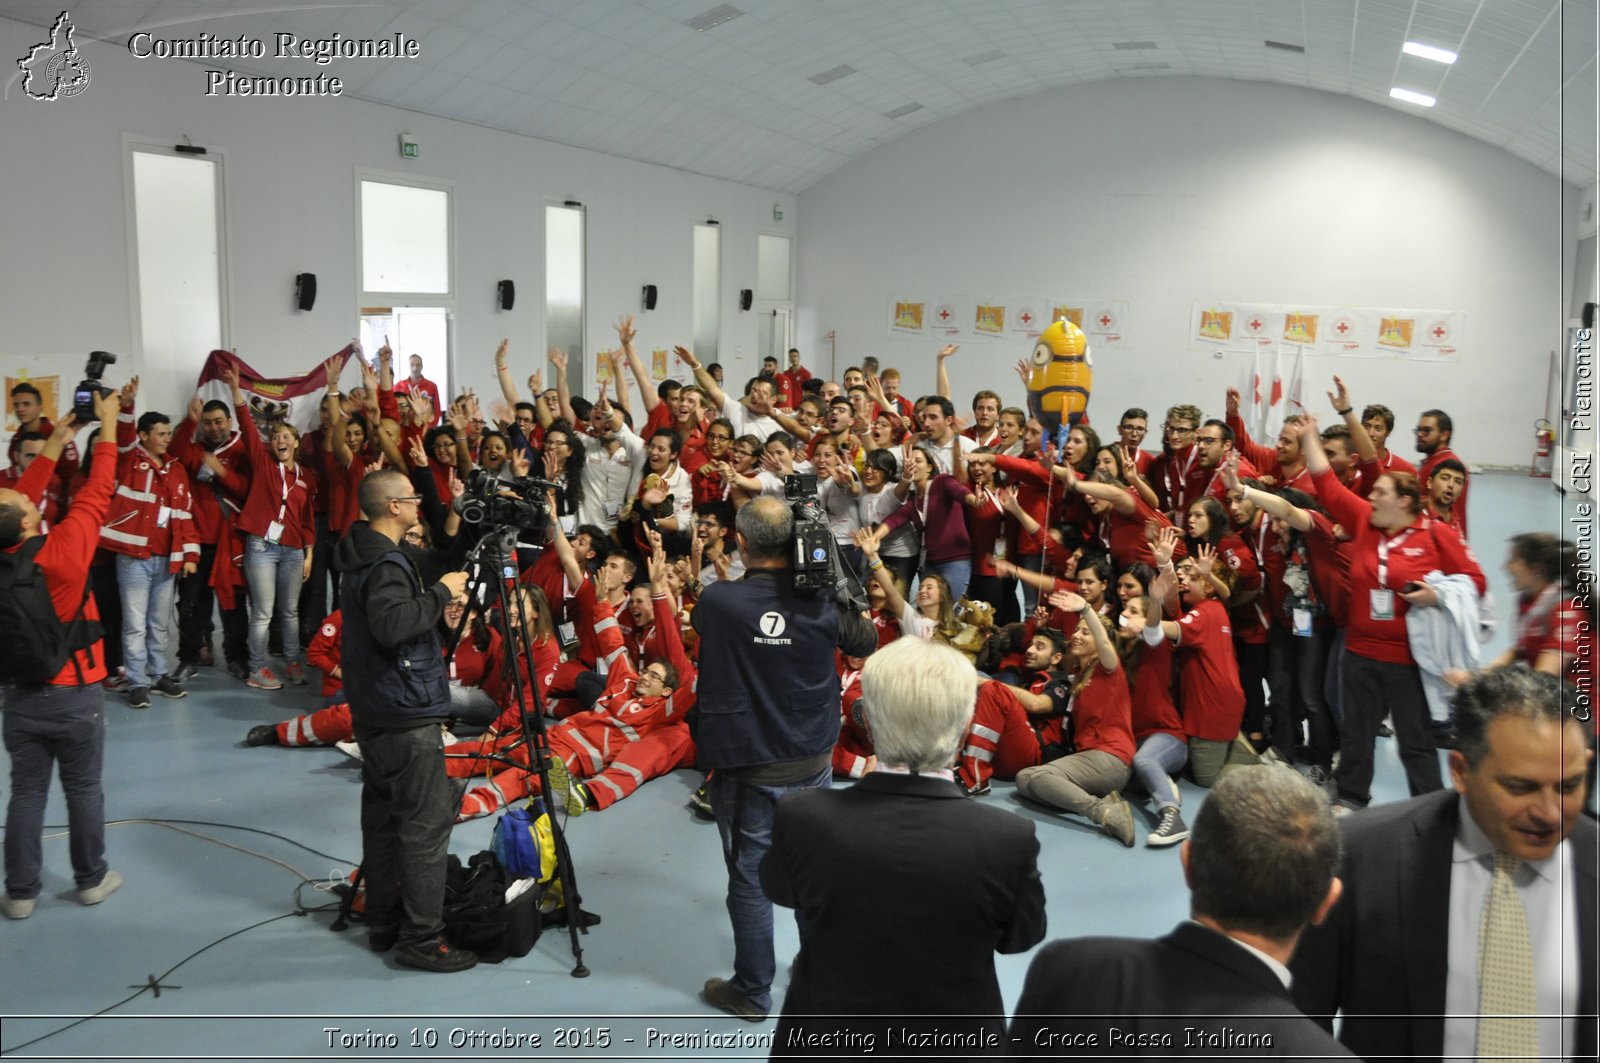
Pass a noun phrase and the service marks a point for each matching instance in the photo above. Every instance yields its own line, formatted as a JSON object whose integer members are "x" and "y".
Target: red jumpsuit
{"x": 1001, "y": 740}
{"x": 618, "y": 746}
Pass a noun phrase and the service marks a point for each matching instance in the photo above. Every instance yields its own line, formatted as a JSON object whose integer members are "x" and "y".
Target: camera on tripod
{"x": 515, "y": 503}
{"x": 83, "y": 395}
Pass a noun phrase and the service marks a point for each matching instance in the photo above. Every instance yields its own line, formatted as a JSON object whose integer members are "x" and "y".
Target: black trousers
{"x": 107, "y": 596}
{"x": 1253, "y": 677}
{"x": 1296, "y": 667}
{"x": 196, "y": 600}
{"x": 314, "y": 597}
{"x": 407, "y": 809}
{"x": 1371, "y": 689}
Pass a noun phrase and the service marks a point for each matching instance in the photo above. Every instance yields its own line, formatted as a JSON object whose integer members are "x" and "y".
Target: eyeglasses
{"x": 405, "y": 498}
{"x": 1208, "y": 439}
{"x": 1131, "y": 428}
{"x": 1179, "y": 429}
{"x": 413, "y": 537}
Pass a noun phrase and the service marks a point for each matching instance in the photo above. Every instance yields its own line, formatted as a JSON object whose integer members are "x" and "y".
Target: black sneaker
{"x": 169, "y": 687}
{"x": 239, "y": 670}
{"x": 437, "y": 955}
{"x": 981, "y": 790}
{"x": 263, "y": 734}
{"x": 1321, "y": 778}
{"x": 138, "y": 697}
{"x": 207, "y": 656}
{"x": 382, "y": 938}
{"x": 186, "y": 671}
{"x": 1170, "y": 831}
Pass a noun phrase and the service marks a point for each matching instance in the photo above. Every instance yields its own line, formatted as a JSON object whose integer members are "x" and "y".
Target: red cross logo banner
{"x": 1105, "y": 320}
{"x": 1025, "y": 317}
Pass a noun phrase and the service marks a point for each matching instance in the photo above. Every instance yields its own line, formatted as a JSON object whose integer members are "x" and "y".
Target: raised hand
{"x": 1205, "y": 559}
{"x": 948, "y": 349}
{"x": 1068, "y": 602}
{"x": 536, "y": 382}
{"x": 418, "y": 453}
{"x": 421, "y": 409}
{"x": 1024, "y": 370}
{"x": 558, "y": 358}
{"x": 1339, "y": 396}
{"x": 625, "y": 329}
{"x": 500, "y": 360}
{"x": 1233, "y": 402}
{"x": 520, "y": 463}
{"x": 552, "y": 466}
{"x": 1164, "y": 545}
{"x": 332, "y": 368}
{"x": 686, "y": 356}
{"x": 197, "y": 406}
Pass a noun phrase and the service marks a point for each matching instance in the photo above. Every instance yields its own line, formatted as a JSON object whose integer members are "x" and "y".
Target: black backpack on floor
{"x": 476, "y": 915}
{"x": 37, "y": 643}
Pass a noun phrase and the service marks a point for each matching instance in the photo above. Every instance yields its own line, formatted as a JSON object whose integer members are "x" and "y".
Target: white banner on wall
{"x": 949, "y": 313}
{"x": 1106, "y": 323}
{"x": 1355, "y": 332}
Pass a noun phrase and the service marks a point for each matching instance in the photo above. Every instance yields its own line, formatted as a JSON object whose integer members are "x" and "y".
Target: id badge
{"x": 163, "y": 516}
{"x": 1380, "y": 601}
{"x": 274, "y": 533}
{"x": 999, "y": 549}
{"x": 568, "y": 633}
{"x": 1302, "y": 623}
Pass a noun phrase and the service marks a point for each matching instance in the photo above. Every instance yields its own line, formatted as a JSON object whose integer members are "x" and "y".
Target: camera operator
{"x": 58, "y": 717}
{"x": 768, "y": 717}
{"x": 399, "y": 693}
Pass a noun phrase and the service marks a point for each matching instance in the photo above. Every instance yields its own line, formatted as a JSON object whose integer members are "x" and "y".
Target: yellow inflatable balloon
{"x": 1062, "y": 377}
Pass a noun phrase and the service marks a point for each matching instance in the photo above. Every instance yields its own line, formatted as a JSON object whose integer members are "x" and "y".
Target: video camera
{"x": 515, "y": 503}
{"x": 813, "y": 557}
{"x": 83, "y": 395}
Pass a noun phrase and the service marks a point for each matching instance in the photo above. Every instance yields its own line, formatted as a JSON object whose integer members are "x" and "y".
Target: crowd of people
{"x": 1129, "y": 615}
{"x": 1156, "y": 610}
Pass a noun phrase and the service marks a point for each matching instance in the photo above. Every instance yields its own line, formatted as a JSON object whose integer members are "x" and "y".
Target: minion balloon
{"x": 1062, "y": 377}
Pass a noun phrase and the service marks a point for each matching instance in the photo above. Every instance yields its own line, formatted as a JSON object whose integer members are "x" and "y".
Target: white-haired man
{"x": 896, "y": 854}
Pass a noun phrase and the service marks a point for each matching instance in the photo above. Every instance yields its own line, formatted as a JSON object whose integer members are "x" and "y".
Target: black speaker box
{"x": 747, "y": 298}
{"x": 305, "y": 291}
{"x": 507, "y": 293}
{"x": 649, "y": 296}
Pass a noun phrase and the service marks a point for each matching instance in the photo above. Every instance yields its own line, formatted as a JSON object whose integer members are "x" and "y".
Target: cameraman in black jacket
{"x": 768, "y": 718}
{"x": 399, "y": 694}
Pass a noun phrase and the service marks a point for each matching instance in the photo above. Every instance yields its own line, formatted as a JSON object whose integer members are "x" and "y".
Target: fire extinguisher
{"x": 1544, "y": 448}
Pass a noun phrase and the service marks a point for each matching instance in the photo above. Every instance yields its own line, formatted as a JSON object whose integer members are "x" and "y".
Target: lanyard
{"x": 283, "y": 480}
{"x": 848, "y": 679}
{"x": 1173, "y": 490}
{"x": 1384, "y": 546}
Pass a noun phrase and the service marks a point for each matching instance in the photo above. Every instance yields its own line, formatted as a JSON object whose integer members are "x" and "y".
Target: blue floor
{"x": 207, "y": 911}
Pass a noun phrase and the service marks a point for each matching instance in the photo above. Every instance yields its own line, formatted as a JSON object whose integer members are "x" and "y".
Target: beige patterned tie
{"x": 1507, "y": 1026}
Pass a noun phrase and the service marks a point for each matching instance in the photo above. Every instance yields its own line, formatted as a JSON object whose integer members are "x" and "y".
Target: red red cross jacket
{"x": 152, "y": 511}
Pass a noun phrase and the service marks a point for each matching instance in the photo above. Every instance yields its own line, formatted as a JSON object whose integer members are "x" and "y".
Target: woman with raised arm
{"x": 934, "y": 508}
{"x": 933, "y": 615}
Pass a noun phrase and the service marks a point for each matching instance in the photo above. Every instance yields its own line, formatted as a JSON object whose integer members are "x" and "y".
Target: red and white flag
{"x": 1295, "y": 400}
{"x": 1272, "y": 417}
{"x": 1252, "y": 406}
{"x": 294, "y": 400}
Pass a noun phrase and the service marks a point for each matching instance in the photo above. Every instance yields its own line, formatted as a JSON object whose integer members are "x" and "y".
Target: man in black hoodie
{"x": 399, "y": 693}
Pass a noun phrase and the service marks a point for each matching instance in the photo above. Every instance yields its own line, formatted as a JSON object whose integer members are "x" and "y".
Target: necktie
{"x": 1507, "y": 1026}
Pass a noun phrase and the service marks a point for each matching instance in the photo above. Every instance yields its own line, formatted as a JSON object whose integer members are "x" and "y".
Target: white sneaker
{"x": 16, "y": 907}
{"x": 349, "y": 749}
{"x": 95, "y": 894}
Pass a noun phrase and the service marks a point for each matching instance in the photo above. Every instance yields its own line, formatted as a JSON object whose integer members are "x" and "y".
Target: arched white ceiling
{"x": 777, "y": 93}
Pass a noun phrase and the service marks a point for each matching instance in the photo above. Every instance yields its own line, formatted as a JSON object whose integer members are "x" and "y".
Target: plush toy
{"x": 977, "y": 621}
{"x": 1061, "y": 378}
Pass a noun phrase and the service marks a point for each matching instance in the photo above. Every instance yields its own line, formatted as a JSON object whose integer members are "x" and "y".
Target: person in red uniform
{"x": 1162, "y": 746}
{"x": 852, "y": 753}
{"x": 1281, "y": 465}
{"x": 1176, "y": 473}
{"x": 1434, "y": 434}
{"x": 635, "y": 732}
{"x": 1447, "y": 483}
{"x": 1368, "y": 435}
{"x": 1395, "y": 545}
{"x": 61, "y": 721}
{"x": 150, "y": 528}
{"x": 1090, "y": 780}
{"x": 1000, "y": 741}
{"x": 1211, "y": 698}
{"x": 27, "y": 406}
{"x": 417, "y": 384}
{"x": 1123, "y": 516}
{"x": 214, "y": 456}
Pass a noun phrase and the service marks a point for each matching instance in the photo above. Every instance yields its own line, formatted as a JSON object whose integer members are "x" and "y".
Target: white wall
{"x": 290, "y": 170}
{"x": 1162, "y": 191}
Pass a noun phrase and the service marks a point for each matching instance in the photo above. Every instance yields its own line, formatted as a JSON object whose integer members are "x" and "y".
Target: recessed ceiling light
{"x": 1412, "y": 97}
{"x": 901, "y": 112}
{"x": 715, "y": 17}
{"x": 1283, "y": 46}
{"x": 832, "y": 75}
{"x": 1428, "y": 51}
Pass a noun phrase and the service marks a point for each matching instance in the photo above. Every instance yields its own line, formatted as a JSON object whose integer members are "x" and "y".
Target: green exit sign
{"x": 408, "y": 146}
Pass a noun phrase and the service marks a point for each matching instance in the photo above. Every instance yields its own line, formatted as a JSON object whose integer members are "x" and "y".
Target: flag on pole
{"x": 1272, "y": 421}
{"x": 1255, "y": 407}
{"x": 1295, "y": 402}
{"x": 294, "y": 400}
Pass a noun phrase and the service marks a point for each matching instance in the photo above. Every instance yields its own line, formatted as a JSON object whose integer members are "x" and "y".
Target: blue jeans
{"x": 146, "y": 587}
{"x": 956, "y": 573}
{"x": 1160, "y": 757}
{"x": 744, "y": 819}
{"x": 65, "y": 726}
{"x": 272, "y": 573}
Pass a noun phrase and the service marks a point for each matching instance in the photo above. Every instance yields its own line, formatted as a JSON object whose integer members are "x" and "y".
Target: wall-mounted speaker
{"x": 305, "y": 290}
{"x": 1588, "y": 315}
{"x": 747, "y": 298}
{"x": 506, "y": 292}
{"x": 649, "y": 296}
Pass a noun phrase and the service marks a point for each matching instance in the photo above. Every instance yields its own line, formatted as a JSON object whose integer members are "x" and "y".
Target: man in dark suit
{"x": 1403, "y": 951}
{"x": 903, "y": 887}
{"x": 1260, "y": 867}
